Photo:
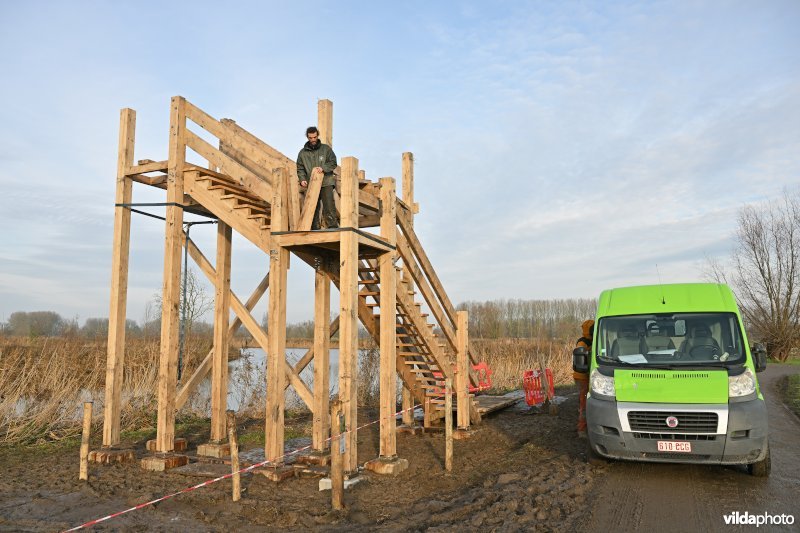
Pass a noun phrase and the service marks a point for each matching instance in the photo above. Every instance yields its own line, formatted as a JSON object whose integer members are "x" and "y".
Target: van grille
{"x": 656, "y": 421}
{"x": 674, "y": 436}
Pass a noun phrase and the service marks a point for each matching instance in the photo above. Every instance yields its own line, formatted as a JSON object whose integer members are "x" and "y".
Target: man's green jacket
{"x": 319, "y": 155}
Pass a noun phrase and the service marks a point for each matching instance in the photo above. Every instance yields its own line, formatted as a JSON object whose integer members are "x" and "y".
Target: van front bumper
{"x": 742, "y": 441}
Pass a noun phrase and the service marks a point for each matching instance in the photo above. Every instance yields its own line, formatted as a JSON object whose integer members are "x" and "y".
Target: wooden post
{"x": 462, "y": 369}
{"x": 276, "y": 354}
{"x": 348, "y": 316}
{"x": 233, "y": 440}
{"x": 388, "y": 319}
{"x": 448, "y": 425}
{"x": 168, "y": 362}
{"x": 408, "y": 404}
{"x": 408, "y": 183}
{"x": 325, "y": 121}
{"x": 87, "y": 428}
{"x": 337, "y": 450}
{"x": 115, "y": 359}
{"x": 426, "y": 413}
{"x": 219, "y": 363}
{"x": 322, "y": 344}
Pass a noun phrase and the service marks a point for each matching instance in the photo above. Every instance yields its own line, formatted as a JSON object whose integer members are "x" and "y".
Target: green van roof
{"x": 669, "y": 298}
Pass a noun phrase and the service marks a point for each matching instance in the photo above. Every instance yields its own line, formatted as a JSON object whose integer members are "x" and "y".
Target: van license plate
{"x": 674, "y": 446}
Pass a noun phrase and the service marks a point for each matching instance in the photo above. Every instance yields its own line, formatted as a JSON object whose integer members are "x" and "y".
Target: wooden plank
{"x": 230, "y": 166}
{"x": 204, "y": 368}
{"x": 325, "y": 121}
{"x": 263, "y": 154}
{"x": 219, "y": 366}
{"x": 168, "y": 361}
{"x": 115, "y": 358}
{"x": 310, "y": 202}
{"x": 388, "y": 321}
{"x": 322, "y": 344}
{"x": 152, "y": 166}
{"x": 279, "y": 256}
{"x": 348, "y": 300}
{"x": 408, "y": 406}
{"x": 462, "y": 369}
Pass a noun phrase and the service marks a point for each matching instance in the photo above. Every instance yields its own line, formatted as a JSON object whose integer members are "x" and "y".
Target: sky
{"x": 561, "y": 148}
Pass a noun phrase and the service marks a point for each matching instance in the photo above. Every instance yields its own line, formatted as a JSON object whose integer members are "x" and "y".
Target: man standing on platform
{"x": 315, "y": 158}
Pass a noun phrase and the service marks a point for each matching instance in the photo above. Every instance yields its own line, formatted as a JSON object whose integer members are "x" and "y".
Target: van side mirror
{"x": 580, "y": 360}
{"x": 759, "y": 356}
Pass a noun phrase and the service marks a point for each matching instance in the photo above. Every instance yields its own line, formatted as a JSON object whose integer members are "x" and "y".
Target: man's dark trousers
{"x": 327, "y": 205}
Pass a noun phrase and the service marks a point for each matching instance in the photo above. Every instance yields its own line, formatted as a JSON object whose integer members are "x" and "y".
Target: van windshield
{"x": 676, "y": 339}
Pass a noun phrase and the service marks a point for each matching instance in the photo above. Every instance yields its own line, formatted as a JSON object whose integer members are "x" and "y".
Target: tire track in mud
{"x": 658, "y": 497}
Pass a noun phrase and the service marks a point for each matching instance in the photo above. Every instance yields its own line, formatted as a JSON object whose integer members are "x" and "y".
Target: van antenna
{"x": 660, "y": 285}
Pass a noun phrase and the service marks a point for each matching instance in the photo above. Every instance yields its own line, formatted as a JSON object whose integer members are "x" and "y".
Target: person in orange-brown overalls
{"x": 582, "y": 380}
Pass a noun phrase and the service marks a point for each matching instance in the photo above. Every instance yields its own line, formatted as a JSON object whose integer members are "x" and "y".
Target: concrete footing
{"x": 180, "y": 445}
{"x": 111, "y": 455}
{"x": 463, "y": 434}
{"x": 325, "y": 483}
{"x": 162, "y": 462}
{"x": 387, "y": 466}
{"x": 314, "y": 458}
{"x": 214, "y": 449}
{"x": 412, "y": 430}
{"x": 276, "y": 473}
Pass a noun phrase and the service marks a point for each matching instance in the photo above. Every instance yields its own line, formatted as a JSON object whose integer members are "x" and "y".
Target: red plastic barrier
{"x": 532, "y": 385}
{"x": 484, "y": 377}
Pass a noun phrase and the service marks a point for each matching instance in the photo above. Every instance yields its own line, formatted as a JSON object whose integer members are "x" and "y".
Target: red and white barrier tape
{"x": 226, "y": 476}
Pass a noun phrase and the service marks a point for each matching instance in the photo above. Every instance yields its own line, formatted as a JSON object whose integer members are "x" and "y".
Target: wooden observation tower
{"x": 374, "y": 259}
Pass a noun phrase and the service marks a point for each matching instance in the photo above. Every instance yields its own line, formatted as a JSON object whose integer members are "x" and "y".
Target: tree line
{"x": 514, "y": 318}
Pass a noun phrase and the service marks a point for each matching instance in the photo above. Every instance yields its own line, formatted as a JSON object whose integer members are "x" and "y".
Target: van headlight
{"x": 602, "y": 385}
{"x": 742, "y": 385}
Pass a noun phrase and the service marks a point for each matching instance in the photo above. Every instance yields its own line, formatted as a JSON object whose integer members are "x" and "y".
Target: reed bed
{"x": 509, "y": 358}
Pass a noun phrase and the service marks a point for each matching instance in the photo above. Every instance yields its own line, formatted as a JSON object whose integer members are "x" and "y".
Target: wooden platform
{"x": 490, "y": 404}
{"x": 369, "y": 245}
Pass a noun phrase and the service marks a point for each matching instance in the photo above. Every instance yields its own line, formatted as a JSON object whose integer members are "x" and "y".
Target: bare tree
{"x": 764, "y": 272}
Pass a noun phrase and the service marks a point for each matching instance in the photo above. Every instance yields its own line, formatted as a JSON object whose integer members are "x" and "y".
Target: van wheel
{"x": 592, "y": 457}
{"x": 761, "y": 468}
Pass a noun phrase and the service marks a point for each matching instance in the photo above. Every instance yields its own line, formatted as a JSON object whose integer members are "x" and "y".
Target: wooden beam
{"x": 322, "y": 367}
{"x": 276, "y": 359}
{"x": 388, "y": 319}
{"x": 168, "y": 361}
{"x": 408, "y": 183}
{"x": 204, "y": 368}
{"x": 152, "y": 166}
{"x": 427, "y": 268}
{"x": 325, "y": 121}
{"x": 462, "y": 369}
{"x": 310, "y": 202}
{"x": 115, "y": 358}
{"x": 309, "y": 355}
{"x": 418, "y": 277}
{"x": 348, "y": 300}
{"x": 246, "y": 319}
{"x": 294, "y": 204}
{"x": 222, "y": 297}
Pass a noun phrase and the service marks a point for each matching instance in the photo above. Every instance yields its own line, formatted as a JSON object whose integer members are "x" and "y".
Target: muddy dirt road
{"x": 520, "y": 472}
{"x": 662, "y": 497}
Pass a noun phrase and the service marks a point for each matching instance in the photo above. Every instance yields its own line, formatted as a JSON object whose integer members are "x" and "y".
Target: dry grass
{"x": 509, "y": 358}
{"x": 44, "y": 381}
